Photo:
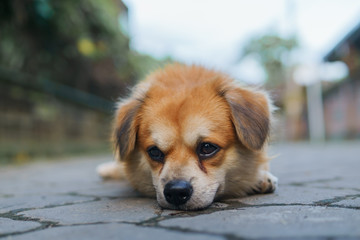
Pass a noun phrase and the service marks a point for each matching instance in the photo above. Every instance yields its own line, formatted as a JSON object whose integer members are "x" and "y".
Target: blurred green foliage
{"x": 82, "y": 44}
{"x": 63, "y": 64}
{"x": 272, "y": 52}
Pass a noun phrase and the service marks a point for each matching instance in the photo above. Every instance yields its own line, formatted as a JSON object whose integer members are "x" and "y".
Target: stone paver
{"x": 350, "y": 202}
{"x": 274, "y": 221}
{"x": 318, "y": 197}
{"x": 115, "y": 210}
{"x": 299, "y": 195}
{"x": 114, "y": 231}
{"x": 40, "y": 201}
{"x": 8, "y": 226}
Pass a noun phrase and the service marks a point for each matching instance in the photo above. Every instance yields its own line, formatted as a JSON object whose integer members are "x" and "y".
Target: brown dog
{"x": 189, "y": 135}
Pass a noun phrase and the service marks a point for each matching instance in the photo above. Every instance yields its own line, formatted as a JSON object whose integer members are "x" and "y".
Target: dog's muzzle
{"x": 178, "y": 192}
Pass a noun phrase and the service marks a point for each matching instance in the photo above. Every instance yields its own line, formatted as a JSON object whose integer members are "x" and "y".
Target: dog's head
{"x": 186, "y": 125}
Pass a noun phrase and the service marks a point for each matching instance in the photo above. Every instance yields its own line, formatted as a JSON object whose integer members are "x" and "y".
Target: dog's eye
{"x": 206, "y": 150}
{"x": 156, "y": 154}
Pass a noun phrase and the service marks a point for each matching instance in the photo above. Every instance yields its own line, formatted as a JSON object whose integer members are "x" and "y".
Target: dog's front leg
{"x": 267, "y": 183}
{"x": 111, "y": 170}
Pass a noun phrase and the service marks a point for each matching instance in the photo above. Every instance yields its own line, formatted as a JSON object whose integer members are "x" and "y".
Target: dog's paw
{"x": 267, "y": 183}
{"x": 110, "y": 170}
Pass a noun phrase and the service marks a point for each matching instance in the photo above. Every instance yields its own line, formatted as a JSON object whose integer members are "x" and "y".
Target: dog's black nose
{"x": 178, "y": 192}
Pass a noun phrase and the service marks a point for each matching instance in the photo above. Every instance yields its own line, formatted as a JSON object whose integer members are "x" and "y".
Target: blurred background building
{"x": 64, "y": 63}
{"x": 342, "y": 100}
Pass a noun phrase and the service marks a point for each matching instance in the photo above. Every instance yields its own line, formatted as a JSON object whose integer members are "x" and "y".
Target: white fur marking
{"x": 113, "y": 170}
{"x": 163, "y": 136}
{"x": 196, "y": 127}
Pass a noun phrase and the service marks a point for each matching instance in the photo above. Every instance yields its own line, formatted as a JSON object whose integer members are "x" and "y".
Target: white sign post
{"x": 311, "y": 76}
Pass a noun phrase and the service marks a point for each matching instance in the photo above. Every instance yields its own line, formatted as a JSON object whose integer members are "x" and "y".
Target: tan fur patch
{"x": 195, "y": 128}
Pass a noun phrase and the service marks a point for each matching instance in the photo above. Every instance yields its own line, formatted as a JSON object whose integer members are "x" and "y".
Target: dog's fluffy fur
{"x": 176, "y": 109}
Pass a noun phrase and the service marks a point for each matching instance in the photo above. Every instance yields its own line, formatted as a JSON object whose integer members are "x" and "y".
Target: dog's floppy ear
{"x": 250, "y": 115}
{"x": 125, "y": 128}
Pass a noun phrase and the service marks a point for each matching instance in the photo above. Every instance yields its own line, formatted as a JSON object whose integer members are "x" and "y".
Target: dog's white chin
{"x": 199, "y": 202}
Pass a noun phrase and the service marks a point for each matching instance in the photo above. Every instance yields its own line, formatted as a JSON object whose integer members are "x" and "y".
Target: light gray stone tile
{"x": 294, "y": 195}
{"x": 8, "y": 226}
{"x": 112, "y": 231}
{"x": 116, "y": 210}
{"x": 350, "y": 202}
{"x": 38, "y": 201}
{"x": 265, "y": 222}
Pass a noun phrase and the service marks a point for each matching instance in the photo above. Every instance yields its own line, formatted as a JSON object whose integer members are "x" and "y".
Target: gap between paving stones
{"x": 154, "y": 222}
{"x": 17, "y": 216}
{"x": 331, "y": 201}
{"x": 305, "y": 183}
{"x": 13, "y": 215}
{"x": 331, "y": 188}
{"x": 325, "y": 180}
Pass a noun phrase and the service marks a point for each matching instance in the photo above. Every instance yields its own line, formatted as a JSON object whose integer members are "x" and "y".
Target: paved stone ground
{"x": 318, "y": 197}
